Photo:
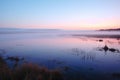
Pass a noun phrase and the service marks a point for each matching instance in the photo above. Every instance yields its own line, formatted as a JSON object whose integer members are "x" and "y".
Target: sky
{"x": 60, "y": 14}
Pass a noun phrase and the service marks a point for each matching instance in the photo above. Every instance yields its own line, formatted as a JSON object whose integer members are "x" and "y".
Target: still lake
{"x": 78, "y": 56}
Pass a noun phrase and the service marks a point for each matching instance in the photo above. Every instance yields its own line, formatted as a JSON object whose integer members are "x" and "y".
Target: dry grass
{"x": 27, "y": 71}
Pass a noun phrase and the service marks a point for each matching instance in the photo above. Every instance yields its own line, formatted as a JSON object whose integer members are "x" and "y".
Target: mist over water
{"x": 78, "y": 55}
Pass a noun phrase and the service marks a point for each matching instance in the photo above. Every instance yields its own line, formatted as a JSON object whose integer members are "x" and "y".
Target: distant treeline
{"x": 117, "y": 29}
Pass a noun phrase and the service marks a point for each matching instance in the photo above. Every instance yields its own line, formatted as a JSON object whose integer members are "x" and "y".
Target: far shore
{"x": 98, "y": 36}
{"x": 116, "y": 29}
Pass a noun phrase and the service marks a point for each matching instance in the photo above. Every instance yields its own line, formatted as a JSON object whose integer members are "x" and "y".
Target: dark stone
{"x": 112, "y": 50}
{"x": 100, "y": 40}
{"x": 105, "y": 48}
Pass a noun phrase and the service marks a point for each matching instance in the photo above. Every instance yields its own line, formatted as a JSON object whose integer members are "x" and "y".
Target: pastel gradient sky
{"x": 60, "y": 14}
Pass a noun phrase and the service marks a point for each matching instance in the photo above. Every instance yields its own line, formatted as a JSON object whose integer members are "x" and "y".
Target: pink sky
{"x": 60, "y": 14}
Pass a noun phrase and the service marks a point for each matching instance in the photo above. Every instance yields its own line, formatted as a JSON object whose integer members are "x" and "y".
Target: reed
{"x": 27, "y": 71}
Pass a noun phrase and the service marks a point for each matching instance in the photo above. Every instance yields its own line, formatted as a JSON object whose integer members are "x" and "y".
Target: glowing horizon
{"x": 60, "y": 14}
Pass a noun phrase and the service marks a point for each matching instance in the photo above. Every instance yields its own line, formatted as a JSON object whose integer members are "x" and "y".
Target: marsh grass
{"x": 27, "y": 71}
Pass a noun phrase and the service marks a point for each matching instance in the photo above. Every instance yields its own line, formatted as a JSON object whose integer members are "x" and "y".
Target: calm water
{"x": 78, "y": 56}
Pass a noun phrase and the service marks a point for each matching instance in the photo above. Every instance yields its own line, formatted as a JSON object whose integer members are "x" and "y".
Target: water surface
{"x": 79, "y": 56}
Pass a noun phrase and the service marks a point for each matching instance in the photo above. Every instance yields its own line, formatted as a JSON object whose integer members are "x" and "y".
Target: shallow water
{"x": 78, "y": 56}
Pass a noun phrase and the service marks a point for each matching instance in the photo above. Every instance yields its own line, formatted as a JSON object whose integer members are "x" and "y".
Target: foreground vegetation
{"x": 27, "y": 71}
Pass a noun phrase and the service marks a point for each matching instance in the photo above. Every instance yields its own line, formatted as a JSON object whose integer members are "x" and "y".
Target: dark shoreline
{"x": 97, "y": 36}
{"x": 117, "y": 29}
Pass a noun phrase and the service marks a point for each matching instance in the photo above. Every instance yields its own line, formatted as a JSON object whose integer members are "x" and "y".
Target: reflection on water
{"x": 82, "y": 56}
